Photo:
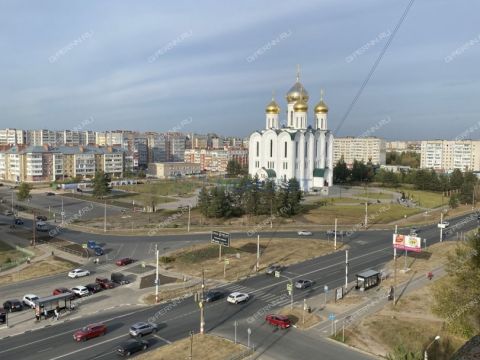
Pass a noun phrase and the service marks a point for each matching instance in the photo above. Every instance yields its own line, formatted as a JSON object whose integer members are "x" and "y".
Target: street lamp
{"x": 249, "y": 332}
{"x": 425, "y": 354}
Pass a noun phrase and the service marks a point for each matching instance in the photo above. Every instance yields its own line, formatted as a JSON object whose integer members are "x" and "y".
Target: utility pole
{"x": 105, "y": 217}
{"x": 304, "y": 309}
{"x": 395, "y": 276}
{"x": 63, "y": 213}
{"x": 156, "y": 275}
{"x": 34, "y": 238}
{"x": 258, "y": 253}
{"x": 219, "y": 252}
{"x": 346, "y": 270}
{"x": 235, "y": 326}
{"x": 366, "y": 214}
{"x": 201, "y": 304}
{"x": 188, "y": 227}
{"x": 12, "y": 202}
{"x": 335, "y": 236}
{"x": 271, "y": 213}
{"x": 441, "y": 225}
{"x": 191, "y": 345}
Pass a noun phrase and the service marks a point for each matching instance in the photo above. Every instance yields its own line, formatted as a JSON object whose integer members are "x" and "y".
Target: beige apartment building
{"x": 447, "y": 155}
{"x": 359, "y": 148}
{"x": 171, "y": 169}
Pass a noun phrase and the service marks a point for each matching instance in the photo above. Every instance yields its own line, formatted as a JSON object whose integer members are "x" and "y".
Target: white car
{"x": 237, "y": 298}
{"x": 305, "y": 233}
{"x": 78, "y": 273}
{"x": 444, "y": 225}
{"x": 80, "y": 291}
{"x": 29, "y": 300}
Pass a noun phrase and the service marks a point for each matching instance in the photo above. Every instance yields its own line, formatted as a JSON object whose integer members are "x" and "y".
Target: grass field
{"x": 205, "y": 347}
{"x": 8, "y": 254}
{"x": 425, "y": 199}
{"x": 374, "y": 195}
{"x": 50, "y": 266}
{"x": 165, "y": 187}
{"x": 279, "y": 251}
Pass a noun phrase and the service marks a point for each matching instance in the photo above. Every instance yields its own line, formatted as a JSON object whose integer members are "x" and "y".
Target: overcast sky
{"x": 149, "y": 65}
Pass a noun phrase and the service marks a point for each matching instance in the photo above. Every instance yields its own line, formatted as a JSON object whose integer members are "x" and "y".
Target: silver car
{"x": 142, "y": 328}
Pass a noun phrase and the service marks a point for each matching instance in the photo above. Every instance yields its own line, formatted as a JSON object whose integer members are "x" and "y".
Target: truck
{"x": 42, "y": 226}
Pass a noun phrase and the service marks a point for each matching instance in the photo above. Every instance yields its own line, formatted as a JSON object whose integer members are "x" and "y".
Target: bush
{"x": 167, "y": 259}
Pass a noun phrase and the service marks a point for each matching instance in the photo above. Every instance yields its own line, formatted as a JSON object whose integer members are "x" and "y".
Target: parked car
{"x": 63, "y": 290}
{"x": 94, "y": 288}
{"x": 142, "y": 328}
{"x": 281, "y": 321}
{"x": 8, "y": 212}
{"x": 18, "y": 221}
{"x": 41, "y": 218}
{"x": 98, "y": 251}
{"x": 80, "y": 290}
{"x": 29, "y": 300}
{"x": 89, "y": 331}
{"x": 49, "y": 193}
{"x": 445, "y": 223}
{"x": 304, "y": 233}
{"x": 131, "y": 346}
{"x": 273, "y": 268}
{"x": 41, "y": 226}
{"x": 78, "y": 273}
{"x": 303, "y": 284}
{"x": 332, "y": 232}
{"x": 3, "y": 316}
{"x": 237, "y": 298}
{"x": 105, "y": 283}
{"x": 119, "y": 278}
{"x": 13, "y": 305}
{"x": 124, "y": 261}
{"x": 91, "y": 244}
{"x": 213, "y": 295}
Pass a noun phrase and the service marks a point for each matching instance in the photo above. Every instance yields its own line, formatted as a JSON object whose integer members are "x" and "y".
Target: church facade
{"x": 295, "y": 150}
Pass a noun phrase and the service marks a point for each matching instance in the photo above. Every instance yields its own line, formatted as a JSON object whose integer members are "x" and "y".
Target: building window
{"x": 271, "y": 148}
{"x": 306, "y": 148}
{"x": 296, "y": 149}
{"x": 258, "y": 149}
{"x": 286, "y": 149}
{"x": 291, "y": 118}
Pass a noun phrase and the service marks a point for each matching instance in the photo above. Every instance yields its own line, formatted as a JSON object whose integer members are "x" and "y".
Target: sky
{"x": 211, "y": 66}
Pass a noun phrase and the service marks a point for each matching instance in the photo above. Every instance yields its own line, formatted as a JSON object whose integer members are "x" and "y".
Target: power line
{"x": 374, "y": 67}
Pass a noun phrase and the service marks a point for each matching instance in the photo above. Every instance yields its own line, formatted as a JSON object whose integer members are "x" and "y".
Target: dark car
{"x": 94, "y": 288}
{"x": 124, "y": 261}
{"x": 89, "y": 331}
{"x": 13, "y": 305}
{"x": 62, "y": 290}
{"x": 281, "y": 321}
{"x": 3, "y": 316}
{"x": 50, "y": 193}
{"x": 119, "y": 278}
{"x": 98, "y": 251}
{"x": 41, "y": 218}
{"x": 105, "y": 283}
{"x": 19, "y": 221}
{"x": 213, "y": 295}
{"x": 303, "y": 284}
{"x": 131, "y": 346}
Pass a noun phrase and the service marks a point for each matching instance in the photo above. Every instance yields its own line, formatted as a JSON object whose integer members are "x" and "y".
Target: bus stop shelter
{"x": 46, "y": 306}
{"x": 367, "y": 280}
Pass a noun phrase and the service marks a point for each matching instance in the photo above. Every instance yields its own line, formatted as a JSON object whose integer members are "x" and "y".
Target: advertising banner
{"x": 407, "y": 242}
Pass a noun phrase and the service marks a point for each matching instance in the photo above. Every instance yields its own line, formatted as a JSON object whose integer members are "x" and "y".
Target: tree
{"x": 24, "y": 191}
{"x": 456, "y": 179}
{"x": 453, "y": 201}
{"x": 204, "y": 201}
{"x": 101, "y": 184}
{"x": 294, "y": 196}
{"x": 341, "y": 173}
{"x": 234, "y": 168}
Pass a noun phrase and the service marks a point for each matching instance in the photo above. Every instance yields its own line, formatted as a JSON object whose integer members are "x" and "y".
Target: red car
{"x": 62, "y": 290}
{"x": 89, "y": 331}
{"x": 104, "y": 283}
{"x": 124, "y": 261}
{"x": 278, "y": 320}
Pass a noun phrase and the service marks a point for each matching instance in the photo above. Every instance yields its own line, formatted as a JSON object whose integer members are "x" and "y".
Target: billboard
{"x": 407, "y": 242}
{"x": 220, "y": 238}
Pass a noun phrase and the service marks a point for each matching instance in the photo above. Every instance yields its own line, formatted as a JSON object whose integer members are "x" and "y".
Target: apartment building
{"x": 172, "y": 169}
{"x": 41, "y": 137}
{"x": 403, "y": 146}
{"x": 175, "y": 147}
{"x": 12, "y": 136}
{"x": 447, "y": 155}
{"x": 216, "y": 160}
{"x": 359, "y": 148}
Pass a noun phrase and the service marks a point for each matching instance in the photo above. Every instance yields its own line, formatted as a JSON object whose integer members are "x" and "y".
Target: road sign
{"x": 84, "y": 246}
{"x": 227, "y": 261}
{"x": 277, "y": 274}
{"x": 249, "y": 331}
{"x": 289, "y": 287}
{"x": 220, "y": 238}
{"x": 331, "y": 316}
{"x": 325, "y": 288}
{"x": 442, "y": 226}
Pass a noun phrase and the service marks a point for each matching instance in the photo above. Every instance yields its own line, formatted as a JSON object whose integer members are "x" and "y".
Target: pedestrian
{"x": 45, "y": 313}
{"x": 28, "y": 260}
{"x": 56, "y": 312}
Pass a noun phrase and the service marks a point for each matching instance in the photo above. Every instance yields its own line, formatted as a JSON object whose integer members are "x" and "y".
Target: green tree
{"x": 453, "y": 201}
{"x": 294, "y": 197}
{"x": 341, "y": 173}
{"x": 101, "y": 184}
{"x": 456, "y": 179}
{"x": 204, "y": 201}
{"x": 24, "y": 192}
{"x": 234, "y": 168}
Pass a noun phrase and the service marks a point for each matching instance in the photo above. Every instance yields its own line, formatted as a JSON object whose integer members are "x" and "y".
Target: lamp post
{"x": 249, "y": 332}
{"x": 425, "y": 354}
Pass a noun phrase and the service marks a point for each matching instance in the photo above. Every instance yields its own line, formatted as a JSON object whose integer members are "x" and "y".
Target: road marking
{"x": 68, "y": 331}
{"x": 44, "y": 349}
{"x": 88, "y": 347}
{"x": 163, "y": 339}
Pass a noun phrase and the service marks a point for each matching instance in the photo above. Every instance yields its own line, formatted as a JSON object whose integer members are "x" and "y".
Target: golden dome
{"x": 272, "y": 108}
{"x": 300, "y": 106}
{"x": 321, "y": 107}
{"x": 297, "y": 91}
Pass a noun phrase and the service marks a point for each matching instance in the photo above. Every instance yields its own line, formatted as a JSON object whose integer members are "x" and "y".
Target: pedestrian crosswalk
{"x": 266, "y": 296}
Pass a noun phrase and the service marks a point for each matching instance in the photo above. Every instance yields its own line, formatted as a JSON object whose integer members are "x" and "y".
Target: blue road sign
{"x": 331, "y": 316}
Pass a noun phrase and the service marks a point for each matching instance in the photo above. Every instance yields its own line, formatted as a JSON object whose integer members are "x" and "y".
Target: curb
{"x": 353, "y": 348}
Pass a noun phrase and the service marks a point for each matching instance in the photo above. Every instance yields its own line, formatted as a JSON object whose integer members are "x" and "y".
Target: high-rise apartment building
{"x": 447, "y": 155}
{"x": 366, "y": 149}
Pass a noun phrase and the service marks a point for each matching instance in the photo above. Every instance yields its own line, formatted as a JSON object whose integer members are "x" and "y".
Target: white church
{"x": 297, "y": 150}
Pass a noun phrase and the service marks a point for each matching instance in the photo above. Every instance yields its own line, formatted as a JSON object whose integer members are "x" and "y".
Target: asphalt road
{"x": 367, "y": 250}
